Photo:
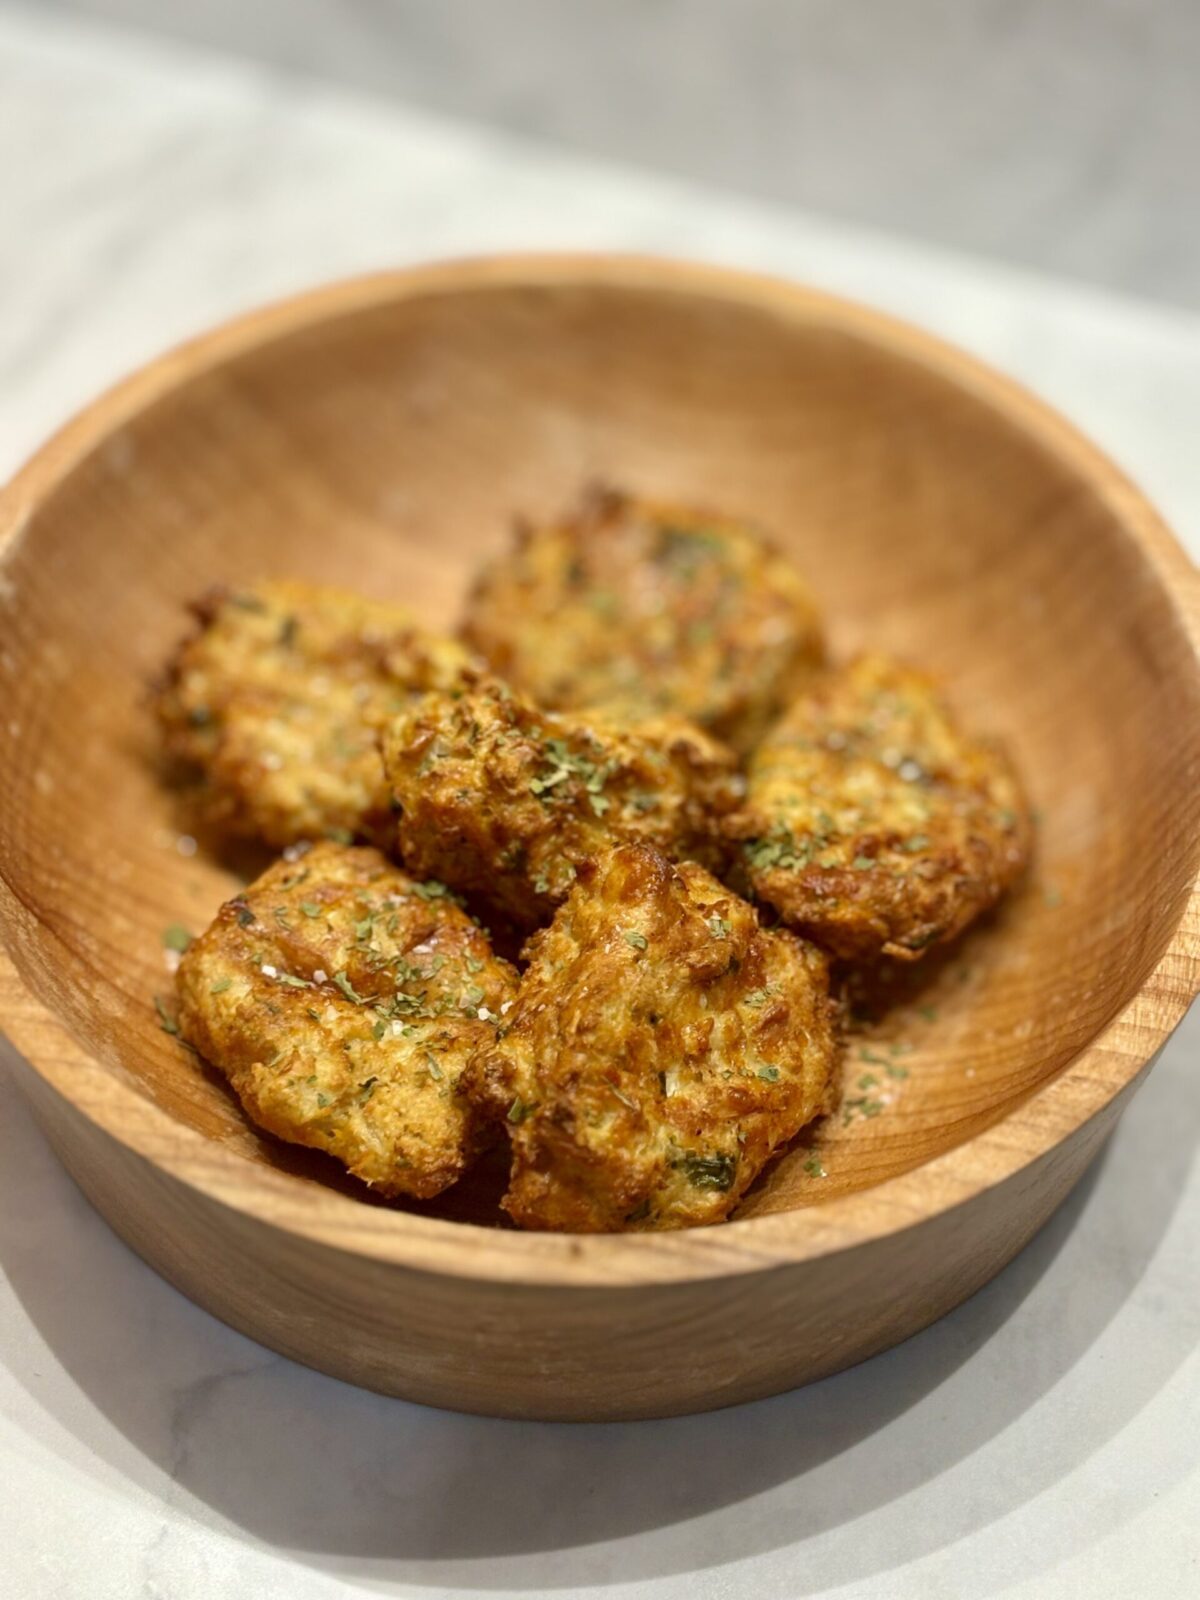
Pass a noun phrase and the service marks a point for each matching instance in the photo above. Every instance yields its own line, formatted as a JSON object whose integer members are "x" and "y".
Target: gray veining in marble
{"x": 1063, "y": 134}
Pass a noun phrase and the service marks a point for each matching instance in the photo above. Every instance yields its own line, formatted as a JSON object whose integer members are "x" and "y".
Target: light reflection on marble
{"x": 1038, "y": 1442}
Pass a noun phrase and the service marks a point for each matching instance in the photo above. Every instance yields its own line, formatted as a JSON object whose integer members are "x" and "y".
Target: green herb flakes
{"x": 165, "y": 1020}
{"x": 758, "y": 997}
{"x": 708, "y": 1172}
{"x": 635, "y": 940}
{"x": 769, "y": 1074}
{"x": 561, "y": 764}
{"x": 221, "y": 985}
{"x": 779, "y": 850}
{"x": 433, "y": 890}
{"x": 860, "y": 1106}
{"x": 347, "y": 988}
{"x": 176, "y": 938}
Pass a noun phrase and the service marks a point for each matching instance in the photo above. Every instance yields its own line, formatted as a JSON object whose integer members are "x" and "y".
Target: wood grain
{"x": 381, "y": 434}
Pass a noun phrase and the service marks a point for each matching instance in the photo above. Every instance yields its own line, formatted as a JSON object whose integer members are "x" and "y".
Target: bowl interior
{"x": 387, "y": 447}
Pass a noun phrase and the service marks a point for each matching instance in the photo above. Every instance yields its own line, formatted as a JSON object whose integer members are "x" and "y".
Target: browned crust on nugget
{"x": 873, "y": 823}
{"x": 664, "y": 608}
{"x": 506, "y": 802}
{"x": 662, "y": 1047}
{"x": 276, "y": 699}
{"x": 342, "y": 1000}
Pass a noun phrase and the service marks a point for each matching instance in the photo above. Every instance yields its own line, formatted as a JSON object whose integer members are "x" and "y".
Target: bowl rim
{"x": 1102, "y": 1071}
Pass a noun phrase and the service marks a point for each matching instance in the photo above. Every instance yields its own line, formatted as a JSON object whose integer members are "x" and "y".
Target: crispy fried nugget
{"x": 662, "y": 1046}
{"x": 872, "y": 823}
{"x": 659, "y": 607}
{"x": 505, "y": 802}
{"x": 341, "y": 999}
{"x": 277, "y": 700}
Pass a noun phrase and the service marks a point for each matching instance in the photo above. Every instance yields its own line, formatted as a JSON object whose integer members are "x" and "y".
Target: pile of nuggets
{"x": 636, "y": 766}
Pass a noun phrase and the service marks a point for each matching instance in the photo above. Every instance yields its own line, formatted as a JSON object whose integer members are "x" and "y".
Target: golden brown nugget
{"x": 505, "y": 802}
{"x": 342, "y": 999}
{"x": 660, "y": 607}
{"x": 661, "y": 1048}
{"x": 277, "y": 700}
{"x": 874, "y": 825}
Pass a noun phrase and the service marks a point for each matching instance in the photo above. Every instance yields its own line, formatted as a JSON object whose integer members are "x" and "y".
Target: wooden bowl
{"x": 380, "y": 434}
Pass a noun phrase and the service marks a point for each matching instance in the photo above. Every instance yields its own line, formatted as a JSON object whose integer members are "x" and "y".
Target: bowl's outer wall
{"x": 379, "y": 434}
{"x": 551, "y": 1353}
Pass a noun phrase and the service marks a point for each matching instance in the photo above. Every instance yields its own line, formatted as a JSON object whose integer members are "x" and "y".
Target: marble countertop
{"x": 1038, "y": 1442}
{"x": 1061, "y": 135}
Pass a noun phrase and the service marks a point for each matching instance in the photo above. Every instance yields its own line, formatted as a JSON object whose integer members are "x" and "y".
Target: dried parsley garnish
{"x": 165, "y": 1020}
{"x": 561, "y": 764}
{"x": 708, "y": 1172}
{"x": 347, "y": 988}
{"x": 778, "y": 850}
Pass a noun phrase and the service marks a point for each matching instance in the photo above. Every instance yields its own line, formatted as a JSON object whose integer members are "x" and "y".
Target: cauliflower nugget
{"x": 342, "y": 1000}
{"x": 506, "y": 802}
{"x": 872, "y": 824}
{"x": 277, "y": 700}
{"x": 655, "y": 606}
{"x": 661, "y": 1048}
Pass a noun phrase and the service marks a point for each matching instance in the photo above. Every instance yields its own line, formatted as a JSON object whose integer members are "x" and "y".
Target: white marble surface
{"x": 1040, "y": 1442}
{"x": 1061, "y": 134}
